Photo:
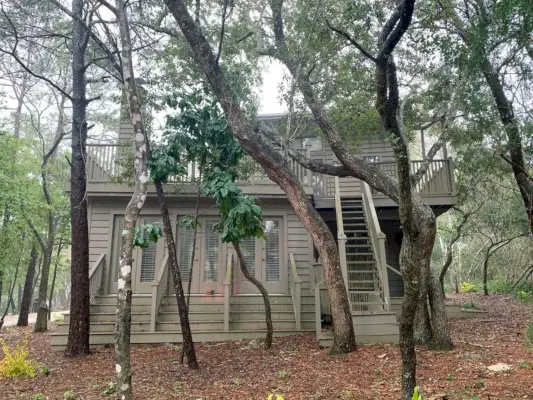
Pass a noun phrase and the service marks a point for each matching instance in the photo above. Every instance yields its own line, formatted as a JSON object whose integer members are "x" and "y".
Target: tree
{"x": 277, "y": 170}
{"x": 28, "y": 287}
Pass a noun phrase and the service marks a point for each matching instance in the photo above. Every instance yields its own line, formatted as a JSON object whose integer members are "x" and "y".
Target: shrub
{"x": 277, "y": 397}
{"x": 469, "y": 305}
{"x": 58, "y": 317}
{"x": 39, "y": 396}
{"x": 16, "y": 363}
{"x": 467, "y": 287}
{"x": 45, "y": 369}
{"x": 499, "y": 286}
{"x": 523, "y": 296}
{"x": 110, "y": 389}
{"x": 70, "y": 395}
{"x": 416, "y": 394}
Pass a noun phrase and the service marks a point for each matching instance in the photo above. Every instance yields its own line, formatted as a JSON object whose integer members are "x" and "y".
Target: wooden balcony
{"x": 108, "y": 169}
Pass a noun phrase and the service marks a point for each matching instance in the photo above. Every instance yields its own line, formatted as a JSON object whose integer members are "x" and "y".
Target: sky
{"x": 268, "y": 93}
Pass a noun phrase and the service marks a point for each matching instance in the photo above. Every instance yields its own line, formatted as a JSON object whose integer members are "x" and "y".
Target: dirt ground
{"x": 297, "y": 369}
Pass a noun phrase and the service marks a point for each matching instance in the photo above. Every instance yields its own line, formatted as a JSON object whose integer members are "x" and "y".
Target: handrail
{"x": 377, "y": 237}
{"x": 159, "y": 286}
{"x": 340, "y": 233}
{"x": 227, "y": 290}
{"x": 394, "y": 270}
{"x": 95, "y": 277}
{"x": 296, "y": 292}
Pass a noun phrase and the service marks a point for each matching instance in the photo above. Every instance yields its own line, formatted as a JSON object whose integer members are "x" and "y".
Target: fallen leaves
{"x": 242, "y": 370}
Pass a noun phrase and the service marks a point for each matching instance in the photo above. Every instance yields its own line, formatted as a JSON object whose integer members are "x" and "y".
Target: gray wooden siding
{"x": 103, "y": 209}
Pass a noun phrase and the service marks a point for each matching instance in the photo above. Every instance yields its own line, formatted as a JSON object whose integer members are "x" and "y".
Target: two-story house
{"x": 224, "y": 305}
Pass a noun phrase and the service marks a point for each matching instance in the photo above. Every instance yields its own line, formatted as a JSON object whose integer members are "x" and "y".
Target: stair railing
{"x": 227, "y": 290}
{"x": 95, "y": 277}
{"x": 159, "y": 288}
{"x": 378, "y": 242}
{"x": 341, "y": 236}
{"x": 296, "y": 292}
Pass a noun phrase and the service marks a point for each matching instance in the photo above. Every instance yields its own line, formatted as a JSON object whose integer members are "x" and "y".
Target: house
{"x": 224, "y": 305}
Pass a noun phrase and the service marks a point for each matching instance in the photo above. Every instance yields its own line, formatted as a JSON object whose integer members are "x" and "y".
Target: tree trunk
{"x": 422, "y": 330}
{"x": 264, "y": 293}
{"x": 59, "y": 247}
{"x": 193, "y": 252}
{"x": 12, "y": 290}
{"x": 486, "y": 273}
{"x": 440, "y": 333}
{"x": 25, "y": 304}
{"x": 414, "y": 255}
{"x": 188, "y": 344}
{"x": 79, "y": 325}
{"x": 278, "y": 171}
{"x": 41, "y": 325}
{"x": 133, "y": 209}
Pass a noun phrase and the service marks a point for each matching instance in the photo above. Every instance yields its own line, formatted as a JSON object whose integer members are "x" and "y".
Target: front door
{"x": 264, "y": 260}
{"x": 207, "y": 270}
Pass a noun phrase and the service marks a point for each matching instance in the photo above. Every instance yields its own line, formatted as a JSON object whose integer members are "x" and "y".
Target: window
{"x": 186, "y": 243}
{"x": 315, "y": 142}
{"x": 371, "y": 159}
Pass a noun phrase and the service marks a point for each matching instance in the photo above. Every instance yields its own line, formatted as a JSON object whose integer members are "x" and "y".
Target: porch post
{"x": 308, "y": 171}
{"x": 227, "y": 290}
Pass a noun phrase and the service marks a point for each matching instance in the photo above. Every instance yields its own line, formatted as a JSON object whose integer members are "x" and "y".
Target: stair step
{"x": 361, "y": 262}
{"x": 364, "y": 291}
{"x": 359, "y": 254}
{"x": 356, "y": 231}
{"x": 358, "y": 245}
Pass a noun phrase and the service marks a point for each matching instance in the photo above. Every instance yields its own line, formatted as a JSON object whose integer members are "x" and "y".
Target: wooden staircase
{"x": 206, "y": 319}
{"x": 365, "y": 288}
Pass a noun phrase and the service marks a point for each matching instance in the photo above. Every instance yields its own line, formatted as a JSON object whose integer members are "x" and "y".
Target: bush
{"x": 58, "y": 317}
{"x": 16, "y": 363}
{"x": 469, "y": 305}
{"x": 416, "y": 394}
{"x": 467, "y": 287}
{"x": 523, "y": 296}
{"x": 499, "y": 286}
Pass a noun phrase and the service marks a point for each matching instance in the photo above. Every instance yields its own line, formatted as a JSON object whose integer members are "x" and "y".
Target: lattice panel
{"x": 119, "y": 222}
{"x": 186, "y": 243}
{"x": 272, "y": 251}
{"x": 212, "y": 248}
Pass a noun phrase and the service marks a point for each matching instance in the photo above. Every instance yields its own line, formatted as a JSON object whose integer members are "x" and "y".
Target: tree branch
{"x": 347, "y": 36}
{"x": 404, "y": 15}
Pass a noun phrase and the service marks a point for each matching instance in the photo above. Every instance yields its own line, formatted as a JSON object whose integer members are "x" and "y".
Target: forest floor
{"x": 296, "y": 368}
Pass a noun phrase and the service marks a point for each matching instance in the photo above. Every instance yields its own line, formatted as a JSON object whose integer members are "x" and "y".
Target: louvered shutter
{"x": 272, "y": 251}
{"x": 248, "y": 249}
{"x": 119, "y": 223}
{"x": 148, "y": 259}
{"x": 212, "y": 248}
{"x": 186, "y": 243}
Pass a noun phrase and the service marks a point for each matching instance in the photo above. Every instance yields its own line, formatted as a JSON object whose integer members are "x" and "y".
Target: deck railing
{"x": 111, "y": 162}
{"x": 159, "y": 289}
{"x": 96, "y": 275}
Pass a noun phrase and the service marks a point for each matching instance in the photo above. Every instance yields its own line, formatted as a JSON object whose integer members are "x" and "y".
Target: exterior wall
{"x": 102, "y": 211}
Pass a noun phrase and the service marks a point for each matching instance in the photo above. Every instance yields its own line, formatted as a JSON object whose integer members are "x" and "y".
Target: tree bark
{"x": 188, "y": 344}
{"x": 12, "y": 289}
{"x": 193, "y": 252}
{"x": 133, "y": 209}
{"x": 59, "y": 248}
{"x": 440, "y": 334}
{"x": 79, "y": 325}
{"x": 422, "y": 331}
{"x": 264, "y": 293}
{"x": 278, "y": 171}
{"x": 41, "y": 324}
{"x": 25, "y": 304}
